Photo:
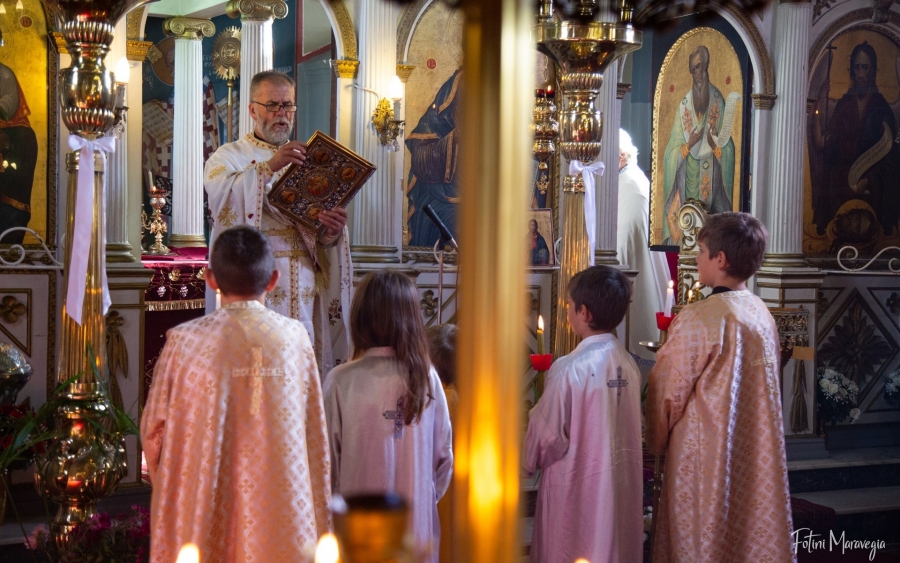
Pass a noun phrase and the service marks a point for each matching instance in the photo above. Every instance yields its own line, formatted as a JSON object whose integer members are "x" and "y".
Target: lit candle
{"x": 189, "y": 554}
{"x": 540, "y": 335}
{"x": 670, "y": 299}
{"x": 690, "y": 296}
{"x": 397, "y": 95}
{"x": 327, "y": 549}
{"x": 218, "y": 300}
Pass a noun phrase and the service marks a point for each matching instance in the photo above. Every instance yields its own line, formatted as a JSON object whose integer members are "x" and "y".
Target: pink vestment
{"x": 585, "y": 436}
{"x": 234, "y": 436}
{"x": 714, "y": 408}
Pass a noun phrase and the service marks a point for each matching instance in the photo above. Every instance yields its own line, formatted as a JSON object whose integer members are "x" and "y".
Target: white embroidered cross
{"x": 257, "y": 372}
{"x": 618, "y": 383}
{"x": 397, "y": 417}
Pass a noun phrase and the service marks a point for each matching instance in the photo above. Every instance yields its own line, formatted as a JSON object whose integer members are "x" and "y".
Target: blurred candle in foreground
{"x": 189, "y": 554}
{"x": 582, "y": 560}
{"x": 218, "y": 300}
{"x": 327, "y": 549}
{"x": 540, "y": 335}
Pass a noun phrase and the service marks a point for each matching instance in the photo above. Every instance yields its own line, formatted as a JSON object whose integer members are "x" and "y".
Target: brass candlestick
{"x": 86, "y": 463}
{"x": 581, "y": 52}
{"x": 545, "y": 127}
{"x": 156, "y": 225}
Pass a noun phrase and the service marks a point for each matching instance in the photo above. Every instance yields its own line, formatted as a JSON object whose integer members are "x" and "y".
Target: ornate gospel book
{"x": 330, "y": 177}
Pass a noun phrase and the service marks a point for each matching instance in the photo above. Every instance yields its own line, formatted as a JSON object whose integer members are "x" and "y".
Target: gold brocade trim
{"x": 280, "y": 232}
{"x": 216, "y": 171}
{"x": 153, "y": 306}
{"x": 292, "y": 254}
{"x": 253, "y": 140}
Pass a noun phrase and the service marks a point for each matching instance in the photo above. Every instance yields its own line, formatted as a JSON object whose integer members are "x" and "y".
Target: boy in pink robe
{"x": 585, "y": 435}
{"x": 234, "y": 426}
{"x": 714, "y": 409}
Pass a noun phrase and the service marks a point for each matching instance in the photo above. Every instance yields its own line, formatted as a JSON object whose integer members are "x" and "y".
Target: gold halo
{"x": 226, "y": 55}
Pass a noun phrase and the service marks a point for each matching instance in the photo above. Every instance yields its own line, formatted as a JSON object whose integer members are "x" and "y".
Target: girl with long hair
{"x": 388, "y": 422}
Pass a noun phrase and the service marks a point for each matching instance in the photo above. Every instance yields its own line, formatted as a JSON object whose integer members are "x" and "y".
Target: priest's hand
{"x": 292, "y": 152}
{"x": 334, "y": 221}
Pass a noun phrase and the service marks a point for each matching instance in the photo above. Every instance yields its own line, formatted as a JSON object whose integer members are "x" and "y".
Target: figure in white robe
{"x": 315, "y": 281}
{"x": 234, "y": 436}
{"x": 584, "y": 435}
{"x": 373, "y": 451}
{"x": 633, "y": 249}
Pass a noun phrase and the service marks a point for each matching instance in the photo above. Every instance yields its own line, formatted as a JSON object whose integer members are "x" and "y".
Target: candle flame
{"x": 327, "y": 549}
{"x": 582, "y": 560}
{"x": 540, "y": 323}
{"x": 189, "y": 554}
{"x": 671, "y": 284}
{"x": 697, "y": 285}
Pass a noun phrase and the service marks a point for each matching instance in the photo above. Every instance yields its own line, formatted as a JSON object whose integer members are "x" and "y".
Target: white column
{"x": 118, "y": 248}
{"x": 784, "y": 217}
{"x": 375, "y": 212}
{"x": 256, "y": 56}
{"x": 256, "y": 46}
{"x": 607, "y": 199}
{"x": 187, "y": 143}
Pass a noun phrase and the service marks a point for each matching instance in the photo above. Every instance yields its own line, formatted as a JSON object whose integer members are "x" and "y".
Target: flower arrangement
{"x": 892, "y": 388}
{"x": 837, "y": 396}
{"x": 100, "y": 539}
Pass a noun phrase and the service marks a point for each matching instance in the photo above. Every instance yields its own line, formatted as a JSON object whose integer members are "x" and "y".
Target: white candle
{"x": 218, "y": 300}
{"x": 540, "y": 335}
{"x": 670, "y": 299}
{"x": 398, "y": 110}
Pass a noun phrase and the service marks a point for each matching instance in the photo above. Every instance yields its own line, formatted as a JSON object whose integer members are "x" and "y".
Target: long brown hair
{"x": 385, "y": 312}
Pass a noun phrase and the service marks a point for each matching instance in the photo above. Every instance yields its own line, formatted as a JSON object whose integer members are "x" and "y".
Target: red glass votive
{"x": 663, "y": 321}
{"x": 550, "y": 93}
{"x": 539, "y": 93}
{"x": 541, "y": 362}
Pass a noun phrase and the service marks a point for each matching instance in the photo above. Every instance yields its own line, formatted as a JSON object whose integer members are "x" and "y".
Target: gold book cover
{"x": 330, "y": 177}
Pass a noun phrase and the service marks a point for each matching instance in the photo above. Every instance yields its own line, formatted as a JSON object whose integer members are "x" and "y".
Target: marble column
{"x": 187, "y": 144}
{"x": 345, "y": 75}
{"x": 118, "y": 248}
{"x": 256, "y": 46}
{"x": 784, "y": 216}
{"x": 607, "y": 198}
{"x": 785, "y": 280}
{"x": 375, "y": 223}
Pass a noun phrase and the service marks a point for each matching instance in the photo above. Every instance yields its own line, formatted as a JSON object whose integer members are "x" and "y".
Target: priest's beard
{"x": 276, "y": 130}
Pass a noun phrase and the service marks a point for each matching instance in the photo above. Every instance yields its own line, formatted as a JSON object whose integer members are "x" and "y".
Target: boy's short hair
{"x": 741, "y": 236}
{"x": 606, "y": 293}
{"x": 442, "y": 349}
{"x": 242, "y": 261}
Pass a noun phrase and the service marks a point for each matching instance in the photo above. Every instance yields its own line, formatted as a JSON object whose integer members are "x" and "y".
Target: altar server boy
{"x": 714, "y": 409}
{"x": 585, "y": 435}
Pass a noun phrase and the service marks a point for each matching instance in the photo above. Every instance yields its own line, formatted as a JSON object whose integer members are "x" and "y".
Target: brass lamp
{"x": 85, "y": 464}
{"x": 582, "y": 51}
{"x": 388, "y": 118}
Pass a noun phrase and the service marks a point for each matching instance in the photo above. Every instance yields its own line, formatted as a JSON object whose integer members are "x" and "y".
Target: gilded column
{"x": 187, "y": 144}
{"x": 256, "y": 46}
{"x": 375, "y": 223}
{"x": 607, "y": 196}
{"x": 784, "y": 216}
{"x": 345, "y": 75}
{"x": 495, "y": 164}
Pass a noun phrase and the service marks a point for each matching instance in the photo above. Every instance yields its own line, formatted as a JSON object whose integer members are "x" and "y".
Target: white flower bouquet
{"x": 836, "y": 396}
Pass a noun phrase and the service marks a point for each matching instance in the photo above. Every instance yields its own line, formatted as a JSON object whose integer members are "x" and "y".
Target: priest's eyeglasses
{"x": 275, "y": 107}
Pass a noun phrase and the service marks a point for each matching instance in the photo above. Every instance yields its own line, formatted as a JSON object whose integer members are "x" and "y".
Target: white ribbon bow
{"x": 81, "y": 233}
{"x": 590, "y": 207}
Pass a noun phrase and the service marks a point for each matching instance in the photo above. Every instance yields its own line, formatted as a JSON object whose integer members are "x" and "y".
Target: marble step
{"x": 856, "y": 501}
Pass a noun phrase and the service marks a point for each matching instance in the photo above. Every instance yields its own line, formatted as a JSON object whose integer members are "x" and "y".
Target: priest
{"x": 316, "y": 270}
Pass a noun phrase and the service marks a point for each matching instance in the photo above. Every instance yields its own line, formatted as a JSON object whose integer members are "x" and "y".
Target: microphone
{"x": 446, "y": 235}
